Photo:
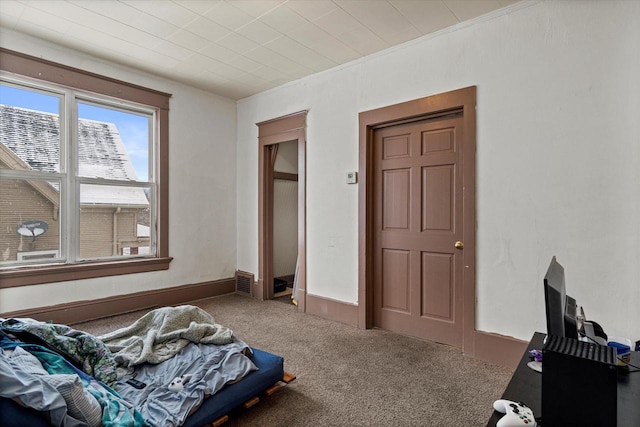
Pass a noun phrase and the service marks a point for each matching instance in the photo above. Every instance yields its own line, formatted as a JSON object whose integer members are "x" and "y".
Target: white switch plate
{"x": 352, "y": 177}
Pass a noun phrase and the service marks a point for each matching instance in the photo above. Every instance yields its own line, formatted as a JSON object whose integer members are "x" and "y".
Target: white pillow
{"x": 81, "y": 404}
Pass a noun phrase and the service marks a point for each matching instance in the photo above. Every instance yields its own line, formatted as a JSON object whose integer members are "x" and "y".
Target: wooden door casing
{"x": 441, "y": 105}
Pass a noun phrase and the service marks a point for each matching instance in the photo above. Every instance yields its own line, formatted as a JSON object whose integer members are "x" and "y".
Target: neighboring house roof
{"x": 101, "y": 153}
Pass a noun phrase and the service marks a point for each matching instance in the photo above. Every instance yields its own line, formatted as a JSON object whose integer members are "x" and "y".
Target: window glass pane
{"x": 113, "y": 144}
{"x": 29, "y": 220}
{"x": 114, "y": 221}
{"x": 29, "y": 129}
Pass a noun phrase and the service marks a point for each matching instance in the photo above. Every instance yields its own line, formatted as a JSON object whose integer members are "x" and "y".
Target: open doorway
{"x": 278, "y": 185}
{"x": 285, "y": 218}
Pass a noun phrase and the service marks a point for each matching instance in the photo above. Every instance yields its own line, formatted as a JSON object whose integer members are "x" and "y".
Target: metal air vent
{"x": 244, "y": 282}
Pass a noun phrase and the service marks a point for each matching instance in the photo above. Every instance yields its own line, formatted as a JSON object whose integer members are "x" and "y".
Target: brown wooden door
{"x": 417, "y": 220}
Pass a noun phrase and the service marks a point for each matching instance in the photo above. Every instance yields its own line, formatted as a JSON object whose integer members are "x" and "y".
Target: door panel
{"x": 437, "y": 270}
{"x": 437, "y": 198}
{"x": 395, "y": 199}
{"x": 395, "y": 280}
{"x": 417, "y": 201}
{"x": 396, "y": 147}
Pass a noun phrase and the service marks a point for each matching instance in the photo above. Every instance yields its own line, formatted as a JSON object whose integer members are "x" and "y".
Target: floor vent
{"x": 244, "y": 282}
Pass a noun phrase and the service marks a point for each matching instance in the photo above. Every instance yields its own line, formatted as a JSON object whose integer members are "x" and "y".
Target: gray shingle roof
{"x": 18, "y": 126}
{"x": 101, "y": 152}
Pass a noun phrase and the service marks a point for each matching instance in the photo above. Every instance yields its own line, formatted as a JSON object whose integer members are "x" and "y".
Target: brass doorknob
{"x": 459, "y": 245}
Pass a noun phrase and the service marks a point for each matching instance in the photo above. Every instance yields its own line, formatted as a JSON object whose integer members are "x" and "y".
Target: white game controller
{"x": 177, "y": 384}
{"x": 516, "y": 414}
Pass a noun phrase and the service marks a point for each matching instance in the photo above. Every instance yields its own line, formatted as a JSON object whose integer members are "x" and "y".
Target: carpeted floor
{"x": 348, "y": 376}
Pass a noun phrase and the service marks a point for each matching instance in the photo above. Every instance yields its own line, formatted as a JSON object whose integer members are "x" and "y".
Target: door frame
{"x": 271, "y": 132}
{"x": 406, "y": 112}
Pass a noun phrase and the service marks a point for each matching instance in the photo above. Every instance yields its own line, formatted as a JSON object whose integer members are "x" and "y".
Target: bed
{"x": 264, "y": 376}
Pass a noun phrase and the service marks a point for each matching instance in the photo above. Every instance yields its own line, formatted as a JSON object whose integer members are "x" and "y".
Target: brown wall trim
{"x": 283, "y": 124}
{"x": 498, "y": 349}
{"x": 41, "y": 69}
{"x": 60, "y": 273}
{"x": 81, "y": 311}
{"x": 331, "y": 309}
{"x": 488, "y": 347}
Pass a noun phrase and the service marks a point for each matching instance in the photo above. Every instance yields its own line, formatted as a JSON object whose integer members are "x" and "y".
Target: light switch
{"x": 352, "y": 177}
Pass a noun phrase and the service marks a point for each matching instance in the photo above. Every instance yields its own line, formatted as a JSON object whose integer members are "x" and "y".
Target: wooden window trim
{"x": 40, "y": 69}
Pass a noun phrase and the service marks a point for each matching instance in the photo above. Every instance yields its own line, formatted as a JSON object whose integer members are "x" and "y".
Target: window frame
{"x": 22, "y": 65}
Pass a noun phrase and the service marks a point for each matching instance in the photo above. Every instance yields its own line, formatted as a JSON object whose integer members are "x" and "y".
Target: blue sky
{"x": 133, "y": 128}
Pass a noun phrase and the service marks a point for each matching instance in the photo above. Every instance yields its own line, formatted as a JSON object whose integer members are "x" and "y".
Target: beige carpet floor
{"x": 348, "y": 376}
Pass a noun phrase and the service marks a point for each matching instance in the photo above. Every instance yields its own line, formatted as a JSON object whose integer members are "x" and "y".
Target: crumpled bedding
{"x": 116, "y": 412}
{"x": 162, "y": 333}
{"x": 208, "y": 367}
{"x": 81, "y": 348}
{"x": 145, "y": 350}
{"x": 34, "y": 392}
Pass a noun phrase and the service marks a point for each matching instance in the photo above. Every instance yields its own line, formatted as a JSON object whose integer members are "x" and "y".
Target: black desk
{"x": 526, "y": 387}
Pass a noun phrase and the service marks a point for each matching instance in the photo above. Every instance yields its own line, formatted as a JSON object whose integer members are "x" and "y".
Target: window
{"x": 83, "y": 172}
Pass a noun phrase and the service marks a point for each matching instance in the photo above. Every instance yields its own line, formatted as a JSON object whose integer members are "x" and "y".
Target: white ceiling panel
{"x": 380, "y": 17}
{"x": 364, "y": 41}
{"x": 259, "y": 32}
{"x": 426, "y": 16}
{"x": 312, "y": 9}
{"x": 225, "y": 70}
{"x": 207, "y": 29}
{"x": 237, "y": 42}
{"x": 245, "y": 64}
{"x": 152, "y": 25}
{"x": 229, "y": 16}
{"x": 128, "y": 14}
{"x": 172, "y": 12}
{"x": 310, "y": 35}
{"x": 199, "y": 6}
{"x": 283, "y": 19}
{"x": 257, "y": 8}
{"x": 338, "y": 22}
{"x": 336, "y": 50}
{"x": 221, "y": 53}
{"x": 271, "y": 74}
{"x": 188, "y": 40}
{"x": 172, "y": 50}
{"x": 196, "y": 61}
{"x": 464, "y": 9}
{"x": 404, "y": 35}
{"x": 235, "y": 48}
{"x": 301, "y": 54}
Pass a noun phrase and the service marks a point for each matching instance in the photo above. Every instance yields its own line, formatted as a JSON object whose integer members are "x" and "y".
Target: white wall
{"x": 202, "y": 184}
{"x": 558, "y": 149}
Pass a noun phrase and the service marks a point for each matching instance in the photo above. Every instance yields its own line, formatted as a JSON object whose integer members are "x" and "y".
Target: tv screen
{"x": 560, "y": 308}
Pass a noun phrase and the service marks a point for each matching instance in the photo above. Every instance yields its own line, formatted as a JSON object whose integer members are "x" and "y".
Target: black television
{"x": 560, "y": 307}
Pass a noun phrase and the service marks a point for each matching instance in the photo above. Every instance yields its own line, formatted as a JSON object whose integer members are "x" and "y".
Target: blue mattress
{"x": 270, "y": 371}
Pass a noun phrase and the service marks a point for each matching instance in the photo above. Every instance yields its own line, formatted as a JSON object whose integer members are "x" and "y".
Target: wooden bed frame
{"x": 213, "y": 411}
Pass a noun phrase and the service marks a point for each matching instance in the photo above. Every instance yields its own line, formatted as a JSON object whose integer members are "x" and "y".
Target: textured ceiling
{"x": 235, "y": 48}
